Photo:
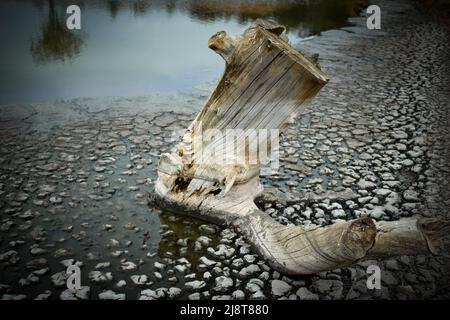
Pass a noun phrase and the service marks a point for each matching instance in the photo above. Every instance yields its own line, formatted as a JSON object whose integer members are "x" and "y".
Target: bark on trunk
{"x": 266, "y": 83}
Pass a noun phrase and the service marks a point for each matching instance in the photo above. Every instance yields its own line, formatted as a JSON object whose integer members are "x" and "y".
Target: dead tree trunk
{"x": 266, "y": 83}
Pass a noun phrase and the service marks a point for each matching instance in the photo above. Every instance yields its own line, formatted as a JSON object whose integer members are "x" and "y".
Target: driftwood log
{"x": 266, "y": 84}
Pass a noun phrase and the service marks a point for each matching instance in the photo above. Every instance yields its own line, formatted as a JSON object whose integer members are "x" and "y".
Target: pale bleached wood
{"x": 411, "y": 236}
{"x": 265, "y": 84}
{"x": 300, "y": 250}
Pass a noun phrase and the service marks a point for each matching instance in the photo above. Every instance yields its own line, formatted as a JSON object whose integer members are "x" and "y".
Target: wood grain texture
{"x": 265, "y": 84}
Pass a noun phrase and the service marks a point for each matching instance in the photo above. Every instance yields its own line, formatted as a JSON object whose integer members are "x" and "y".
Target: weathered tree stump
{"x": 266, "y": 83}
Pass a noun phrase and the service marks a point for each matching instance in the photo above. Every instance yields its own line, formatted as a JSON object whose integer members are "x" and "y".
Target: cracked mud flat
{"x": 75, "y": 177}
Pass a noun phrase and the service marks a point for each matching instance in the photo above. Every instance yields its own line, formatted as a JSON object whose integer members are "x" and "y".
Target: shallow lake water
{"x": 76, "y": 175}
{"x": 132, "y": 48}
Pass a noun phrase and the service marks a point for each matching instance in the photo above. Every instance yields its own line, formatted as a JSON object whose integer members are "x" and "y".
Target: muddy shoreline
{"x": 76, "y": 175}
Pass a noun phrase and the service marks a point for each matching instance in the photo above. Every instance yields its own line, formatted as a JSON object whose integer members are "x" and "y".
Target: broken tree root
{"x": 299, "y": 250}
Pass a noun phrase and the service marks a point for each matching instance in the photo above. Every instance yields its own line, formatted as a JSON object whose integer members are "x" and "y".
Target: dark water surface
{"x": 129, "y": 48}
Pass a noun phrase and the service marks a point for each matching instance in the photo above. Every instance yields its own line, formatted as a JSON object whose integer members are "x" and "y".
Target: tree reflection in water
{"x": 303, "y": 17}
{"x": 56, "y": 42}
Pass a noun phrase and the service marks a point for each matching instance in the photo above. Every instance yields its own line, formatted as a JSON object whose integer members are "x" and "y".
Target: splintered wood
{"x": 265, "y": 85}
